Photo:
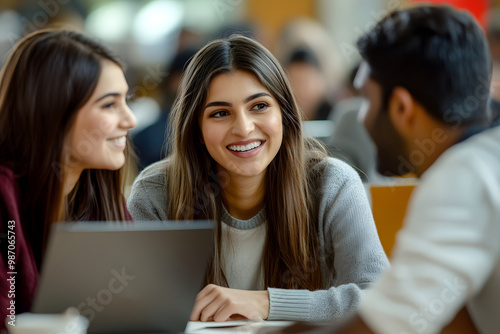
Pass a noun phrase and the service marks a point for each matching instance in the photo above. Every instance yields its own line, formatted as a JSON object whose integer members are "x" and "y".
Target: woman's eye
{"x": 109, "y": 105}
{"x": 260, "y": 106}
{"x": 219, "y": 114}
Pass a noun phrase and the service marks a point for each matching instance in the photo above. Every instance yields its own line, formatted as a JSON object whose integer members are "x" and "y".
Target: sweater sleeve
{"x": 147, "y": 200}
{"x": 351, "y": 254}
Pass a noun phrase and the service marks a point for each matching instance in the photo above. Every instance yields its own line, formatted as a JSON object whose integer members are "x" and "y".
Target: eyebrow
{"x": 108, "y": 95}
{"x": 227, "y": 104}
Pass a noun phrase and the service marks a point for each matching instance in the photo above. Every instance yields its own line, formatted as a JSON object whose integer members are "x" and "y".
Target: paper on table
{"x": 235, "y": 326}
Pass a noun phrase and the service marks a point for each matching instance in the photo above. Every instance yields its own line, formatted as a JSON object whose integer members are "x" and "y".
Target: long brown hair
{"x": 48, "y": 77}
{"x": 291, "y": 255}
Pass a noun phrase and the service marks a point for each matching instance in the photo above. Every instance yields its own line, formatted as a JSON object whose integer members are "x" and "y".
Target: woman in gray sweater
{"x": 294, "y": 237}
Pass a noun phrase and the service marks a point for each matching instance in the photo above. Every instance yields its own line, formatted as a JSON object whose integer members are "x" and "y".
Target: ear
{"x": 402, "y": 110}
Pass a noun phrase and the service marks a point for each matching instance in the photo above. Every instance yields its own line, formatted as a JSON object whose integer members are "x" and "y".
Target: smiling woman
{"x": 105, "y": 118}
{"x": 251, "y": 114}
{"x": 63, "y": 130}
{"x": 295, "y": 238}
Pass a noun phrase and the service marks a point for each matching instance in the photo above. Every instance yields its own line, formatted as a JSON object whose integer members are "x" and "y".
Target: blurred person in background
{"x": 151, "y": 142}
{"x": 63, "y": 144}
{"x": 422, "y": 68}
{"x": 350, "y": 140}
{"x": 310, "y": 86}
{"x": 310, "y": 44}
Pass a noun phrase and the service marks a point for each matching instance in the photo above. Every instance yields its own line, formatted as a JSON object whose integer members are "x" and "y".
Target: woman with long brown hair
{"x": 63, "y": 133}
{"x": 292, "y": 226}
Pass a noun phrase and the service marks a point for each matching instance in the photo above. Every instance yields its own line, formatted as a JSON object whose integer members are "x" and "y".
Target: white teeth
{"x": 244, "y": 148}
{"x": 119, "y": 141}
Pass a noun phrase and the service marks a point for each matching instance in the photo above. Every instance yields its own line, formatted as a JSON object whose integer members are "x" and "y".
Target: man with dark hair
{"x": 433, "y": 60}
{"x": 425, "y": 76}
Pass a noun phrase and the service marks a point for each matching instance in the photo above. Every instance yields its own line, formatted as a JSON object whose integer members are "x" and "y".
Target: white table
{"x": 237, "y": 326}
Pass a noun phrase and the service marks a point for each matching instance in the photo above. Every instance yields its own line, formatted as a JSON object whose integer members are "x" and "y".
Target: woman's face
{"x": 241, "y": 124}
{"x": 97, "y": 138}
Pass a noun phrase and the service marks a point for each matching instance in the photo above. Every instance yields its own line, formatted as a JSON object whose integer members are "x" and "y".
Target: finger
{"x": 208, "y": 313}
{"x": 225, "y": 311}
{"x": 200, "y": 304}
{"x": 206, "y": 291}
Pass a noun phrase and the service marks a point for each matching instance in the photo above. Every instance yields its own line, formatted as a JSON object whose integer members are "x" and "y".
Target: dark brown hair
{"x": 48, "y": 77}
{"x": 439, "y": 54}
{"x": 292, "y": 246}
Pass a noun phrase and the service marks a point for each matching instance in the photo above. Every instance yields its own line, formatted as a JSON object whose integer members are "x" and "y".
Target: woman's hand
{"x": 215, "y": 303}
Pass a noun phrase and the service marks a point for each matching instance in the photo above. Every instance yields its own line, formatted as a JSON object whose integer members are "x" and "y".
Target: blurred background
{"x": 313, "y": 39}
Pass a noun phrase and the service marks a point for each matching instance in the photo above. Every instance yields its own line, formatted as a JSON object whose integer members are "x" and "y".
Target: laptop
{"x": 125, "y": 277}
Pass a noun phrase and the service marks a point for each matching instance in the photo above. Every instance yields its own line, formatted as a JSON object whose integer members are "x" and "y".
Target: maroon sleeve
{"x": 18, "y": 278}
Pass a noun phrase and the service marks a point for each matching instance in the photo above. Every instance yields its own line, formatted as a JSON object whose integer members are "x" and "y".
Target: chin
{"x": 245, "y": 172}
{"x": 118, "y": 166}
{"x": 114, "y": 165}
{"x": 252, "y": 172}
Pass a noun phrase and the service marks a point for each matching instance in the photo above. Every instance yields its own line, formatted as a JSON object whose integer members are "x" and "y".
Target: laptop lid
{"x": 125, "y": 277}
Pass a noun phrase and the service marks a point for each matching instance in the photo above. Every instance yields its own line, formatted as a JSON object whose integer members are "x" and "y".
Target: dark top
{"x": 150, "y": 143}
{"x": 14, "y": 246}
{"x": 19, "y": 277}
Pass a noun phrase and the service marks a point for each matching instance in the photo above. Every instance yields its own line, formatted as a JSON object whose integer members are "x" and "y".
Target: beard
{"x": 391, "y": 156}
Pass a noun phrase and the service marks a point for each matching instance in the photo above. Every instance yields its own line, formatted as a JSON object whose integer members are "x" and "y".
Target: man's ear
{"x": 402, "y": 110}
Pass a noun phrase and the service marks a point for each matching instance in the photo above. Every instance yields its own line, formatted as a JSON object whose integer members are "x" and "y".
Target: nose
{"x": 128, "y": 120}
{"x": 243, "y": 125}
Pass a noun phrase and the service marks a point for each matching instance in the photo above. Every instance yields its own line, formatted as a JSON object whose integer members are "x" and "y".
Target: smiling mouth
{"x": 120, "y": 141}
{"x": 245, "y": 148}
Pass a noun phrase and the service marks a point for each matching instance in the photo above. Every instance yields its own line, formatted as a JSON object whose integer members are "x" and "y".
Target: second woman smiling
{"x": 295, "y": 238}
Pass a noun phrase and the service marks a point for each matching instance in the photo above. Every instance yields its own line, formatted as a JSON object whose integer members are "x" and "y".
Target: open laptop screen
{"x": 125, "y": 277}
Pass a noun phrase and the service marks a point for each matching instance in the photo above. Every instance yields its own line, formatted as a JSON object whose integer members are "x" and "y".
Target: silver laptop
{"x": 125, "y": 277}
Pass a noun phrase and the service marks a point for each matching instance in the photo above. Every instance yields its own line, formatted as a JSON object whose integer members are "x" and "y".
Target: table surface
{"x": 237, "y": 326}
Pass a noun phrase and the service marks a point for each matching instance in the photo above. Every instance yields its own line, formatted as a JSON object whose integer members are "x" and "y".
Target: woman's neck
{"x": 244, "y": 196}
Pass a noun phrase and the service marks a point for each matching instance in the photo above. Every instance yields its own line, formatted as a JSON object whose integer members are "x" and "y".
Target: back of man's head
{"x": 439, "y": 55}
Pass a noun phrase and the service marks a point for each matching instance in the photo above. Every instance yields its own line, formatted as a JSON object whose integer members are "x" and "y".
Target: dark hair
{"x": 292, "y": 245}
{"x": 438, "y": 54}
{"x": 48, "y": 77}
{"x": 303, "y": 55}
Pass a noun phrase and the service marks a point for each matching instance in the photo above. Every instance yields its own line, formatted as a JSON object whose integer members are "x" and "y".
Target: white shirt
{"x": 242, "y": 249}
{"x": 447, "y": 254}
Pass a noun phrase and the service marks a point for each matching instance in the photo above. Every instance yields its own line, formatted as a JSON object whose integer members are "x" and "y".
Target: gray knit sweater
{"x": 351, "y": 254}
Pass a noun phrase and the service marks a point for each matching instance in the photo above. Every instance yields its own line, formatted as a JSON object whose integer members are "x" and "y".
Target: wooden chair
{"x": 389, "y": 203}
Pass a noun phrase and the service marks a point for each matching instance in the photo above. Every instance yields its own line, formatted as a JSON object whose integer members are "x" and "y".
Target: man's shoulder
{"x": 479, "y": 151}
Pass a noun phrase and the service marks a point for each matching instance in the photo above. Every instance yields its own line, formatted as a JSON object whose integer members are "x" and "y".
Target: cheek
{"x": 106, "y": 125}
{"x": 273, "y": 126}
{"x": 92, "y": 132}
{"x": 212, "y": 135}
{"x": 103, "y": 124}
